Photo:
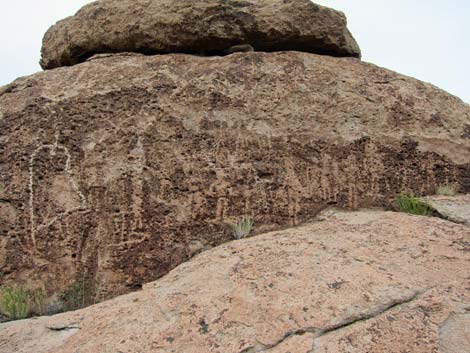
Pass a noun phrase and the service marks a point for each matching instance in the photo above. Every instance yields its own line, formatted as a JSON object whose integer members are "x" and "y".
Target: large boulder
{"x": 203, "y": 27}
{"x": 357, "y": 282}
{"x": 122, "y": 167}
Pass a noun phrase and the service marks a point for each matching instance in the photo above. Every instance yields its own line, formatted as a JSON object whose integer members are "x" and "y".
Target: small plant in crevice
{"x": 411, "y": 204}
{"x": 80, "y": 294}
{"x": 38, "y": 302}
{"x": 243, "y": 228}
{"x": 447, "y": 190}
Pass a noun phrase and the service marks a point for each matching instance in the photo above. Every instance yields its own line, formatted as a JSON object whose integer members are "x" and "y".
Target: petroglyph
{"x": 138, "y": 156}
{"x": 129, "y": 225}
{"x": 53, "y": 150}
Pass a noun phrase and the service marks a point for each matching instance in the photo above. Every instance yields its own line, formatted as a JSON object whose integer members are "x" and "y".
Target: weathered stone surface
{"x": 124, "y": 166}
{"x": 453, "y": 208}
{"x": 359, "y": 282}
{"x": 203, "y": 27}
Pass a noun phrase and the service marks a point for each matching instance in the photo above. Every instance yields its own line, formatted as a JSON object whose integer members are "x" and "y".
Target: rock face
{"x": 203, "y": 27}
{"x": 357, "y": 282}
{"x": 127, "y": 165}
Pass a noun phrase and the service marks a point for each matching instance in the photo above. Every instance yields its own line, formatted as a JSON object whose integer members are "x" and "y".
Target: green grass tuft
{"x": 15, "y": 302}
{"x": 18, "y": 302}
{"x": 411, "y": 204}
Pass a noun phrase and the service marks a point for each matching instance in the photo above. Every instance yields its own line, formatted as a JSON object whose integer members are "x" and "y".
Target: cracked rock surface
{"x": 203, "y": 27}
{"x": 354, "y": 282}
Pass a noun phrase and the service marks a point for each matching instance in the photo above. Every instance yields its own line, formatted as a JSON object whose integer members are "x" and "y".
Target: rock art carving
{"x": 53, "y": 149}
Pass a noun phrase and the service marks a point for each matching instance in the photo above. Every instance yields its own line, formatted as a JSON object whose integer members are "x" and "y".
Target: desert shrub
{"x": 243, "y": 228}
{"x": 447, "y": 190}
{"x": 80, "y": 294}
{"x": 409, "y": 203}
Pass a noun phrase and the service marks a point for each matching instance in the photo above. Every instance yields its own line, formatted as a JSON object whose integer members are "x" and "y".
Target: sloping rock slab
{"x": 127, "y": 165}
{"x": 357, "y": 282}
{"x": 453, "y": 208}
{"x": 204, "y": 27}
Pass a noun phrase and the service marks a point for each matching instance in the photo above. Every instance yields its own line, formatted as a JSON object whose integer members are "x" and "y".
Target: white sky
{"x": 426, "y": 39}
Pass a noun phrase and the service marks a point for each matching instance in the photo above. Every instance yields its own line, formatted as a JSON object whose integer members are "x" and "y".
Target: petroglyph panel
{"x": 53, "y": 191}
{"x": 146, "y": 159}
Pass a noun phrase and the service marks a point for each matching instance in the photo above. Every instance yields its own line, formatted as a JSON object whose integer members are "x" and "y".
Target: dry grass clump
{"x": 80, "y": 294}
{"x": 18, "y": 302}
{"x": 447, "y": 190}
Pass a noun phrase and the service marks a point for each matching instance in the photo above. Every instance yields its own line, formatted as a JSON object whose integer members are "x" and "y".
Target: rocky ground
{"x": 366, "y": 281}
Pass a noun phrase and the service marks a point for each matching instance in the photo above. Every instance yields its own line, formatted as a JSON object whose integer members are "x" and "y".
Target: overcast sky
{"x": 426, "y": 39}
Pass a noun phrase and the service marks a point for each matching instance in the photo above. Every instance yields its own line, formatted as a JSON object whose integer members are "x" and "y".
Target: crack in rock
{"x": 319, "y": 332}
{"x": 447, "y": 218}
{"x": 64, "y": 327}
{"x": 264, "y": 347}
{"x": 384, "y": 82}
{"x": 369, "y": 315}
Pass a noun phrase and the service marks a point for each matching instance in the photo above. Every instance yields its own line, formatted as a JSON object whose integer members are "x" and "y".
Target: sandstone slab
{"x": 357, "y": 282}
{"x": 122, "y": 167}
{"x": 203, "y": 27}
